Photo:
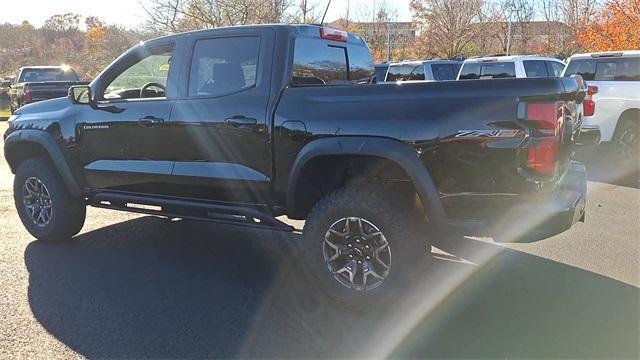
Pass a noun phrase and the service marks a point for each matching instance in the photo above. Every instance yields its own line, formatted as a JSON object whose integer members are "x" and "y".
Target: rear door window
{"x": 535, "y": 68}
{"x": 223, "y": 66}
{"x": 555, "y": 68}
{"x": 493, "y": 70}
{"x": 406, "y": 72}
{"x": 619, "y": 69}
{"x": 442, "y": 72}
{"x": 381, "y": 73}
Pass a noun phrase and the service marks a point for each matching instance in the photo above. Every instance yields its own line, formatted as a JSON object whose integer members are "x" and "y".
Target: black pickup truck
{"x": 37, "y": 83}
{"x": 241, "y": 125}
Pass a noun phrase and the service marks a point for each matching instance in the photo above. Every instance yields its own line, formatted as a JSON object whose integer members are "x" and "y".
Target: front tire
{"x": 366, "y": 246}
{"x": 45, "y": 206}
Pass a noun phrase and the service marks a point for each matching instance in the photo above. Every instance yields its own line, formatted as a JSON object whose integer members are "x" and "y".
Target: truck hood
{"x": 47, "y": 111}
{"x": 45, "y": 106}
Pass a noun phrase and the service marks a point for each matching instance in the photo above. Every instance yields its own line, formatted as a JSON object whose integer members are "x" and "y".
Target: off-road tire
{"x": 68, "y": 212}
{"x": 403, "y": 226}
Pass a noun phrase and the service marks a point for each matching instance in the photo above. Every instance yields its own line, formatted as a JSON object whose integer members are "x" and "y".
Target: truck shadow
{"x": 145, "y": 288}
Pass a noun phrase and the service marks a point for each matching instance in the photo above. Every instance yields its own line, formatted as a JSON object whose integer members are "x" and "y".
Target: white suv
{"x": 516, "y": 66}
{"x": 612, "y": 106}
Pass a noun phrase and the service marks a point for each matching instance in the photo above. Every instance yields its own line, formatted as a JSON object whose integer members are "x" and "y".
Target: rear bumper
{"x": 551, "y": 214}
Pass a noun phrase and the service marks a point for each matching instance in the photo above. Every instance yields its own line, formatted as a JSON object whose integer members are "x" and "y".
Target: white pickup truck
{"x": 612, "y": 106}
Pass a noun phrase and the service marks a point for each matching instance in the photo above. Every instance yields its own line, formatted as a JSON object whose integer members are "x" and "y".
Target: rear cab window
{"x": 406, "y": 72}
{"x": 47, "y": 74}
{"x": 605, "y": 69}
{"x": 488, "y": 70}
{"x": 318, "y": 61}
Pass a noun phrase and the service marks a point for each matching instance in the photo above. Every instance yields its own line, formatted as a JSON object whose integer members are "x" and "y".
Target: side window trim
{"x": 190, "y": 58}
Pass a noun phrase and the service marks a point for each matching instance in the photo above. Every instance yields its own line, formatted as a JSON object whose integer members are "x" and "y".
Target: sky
{"x": 131, "y": 13}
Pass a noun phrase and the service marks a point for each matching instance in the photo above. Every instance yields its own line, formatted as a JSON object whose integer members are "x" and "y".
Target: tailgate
{"x": 553, "y": 127}
{"x": 50, "y": 89}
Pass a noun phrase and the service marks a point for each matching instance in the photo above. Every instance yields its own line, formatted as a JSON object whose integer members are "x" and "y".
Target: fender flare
{"x": 385, "y": 148}
{"x": 45, "y": 140}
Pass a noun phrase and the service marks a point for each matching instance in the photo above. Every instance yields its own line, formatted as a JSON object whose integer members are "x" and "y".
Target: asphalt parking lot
{"x": 134, "y": 286}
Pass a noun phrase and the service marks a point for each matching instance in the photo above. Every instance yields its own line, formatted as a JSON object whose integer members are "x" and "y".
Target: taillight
{"x": 333, "y": 34}
{"x": 27, "y": 94}
{"x": 547, "y": 122}
{"x": 588, "y": 105}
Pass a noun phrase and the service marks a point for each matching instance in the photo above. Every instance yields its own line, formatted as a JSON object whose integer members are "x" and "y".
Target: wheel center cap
{"x": 358, "y": 252}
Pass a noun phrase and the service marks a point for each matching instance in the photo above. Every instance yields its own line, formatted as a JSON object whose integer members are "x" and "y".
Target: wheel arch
{"x": 28, "y": 143}
{"x": 632, "y": 114}
{"x": 392, "y": 151}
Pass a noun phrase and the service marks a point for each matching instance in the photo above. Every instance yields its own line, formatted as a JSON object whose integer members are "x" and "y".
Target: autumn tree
{"x": 615, "y": 27}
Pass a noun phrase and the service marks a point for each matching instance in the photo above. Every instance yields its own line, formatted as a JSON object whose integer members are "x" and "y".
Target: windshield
{"x": 52, "y": 74}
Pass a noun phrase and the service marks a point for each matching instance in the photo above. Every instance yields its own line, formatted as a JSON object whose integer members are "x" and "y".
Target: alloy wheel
{"x": 357, "y": 253}
{"x": 37, "y": 201}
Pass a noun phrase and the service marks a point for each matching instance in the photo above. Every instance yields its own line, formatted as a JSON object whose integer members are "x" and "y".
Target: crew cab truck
{"x": 37, "y": 83}
{"x": 244, "y": 124}
{"x": 612, "y": 106}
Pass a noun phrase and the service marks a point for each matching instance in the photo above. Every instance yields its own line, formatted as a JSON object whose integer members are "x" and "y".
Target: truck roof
{"x": 623, "y": 53}
{"x": 503, "y": 58}
{"x": 433, "y": 61}
{"x": 305, "y": 30}
{"x": 46, "y": 67}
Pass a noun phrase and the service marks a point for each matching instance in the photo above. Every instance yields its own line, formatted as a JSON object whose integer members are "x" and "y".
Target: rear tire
{"x": 45, "y": 206}
{"x": 626, "y": 143}
{"x": 391, "y": 271}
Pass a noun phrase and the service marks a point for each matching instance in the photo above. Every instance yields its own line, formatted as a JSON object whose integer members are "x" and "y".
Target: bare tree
{"x": 447, "y": 27}
{"x": 306, "y": 12}
{"x": 181, "y": 15}
{"x": 519, "y": 13}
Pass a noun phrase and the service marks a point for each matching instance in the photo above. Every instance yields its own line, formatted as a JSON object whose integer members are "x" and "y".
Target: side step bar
{"x": 186, "y": 209}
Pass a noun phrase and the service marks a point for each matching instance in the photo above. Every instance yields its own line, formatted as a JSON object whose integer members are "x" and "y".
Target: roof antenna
{"x": 325, "y": 13}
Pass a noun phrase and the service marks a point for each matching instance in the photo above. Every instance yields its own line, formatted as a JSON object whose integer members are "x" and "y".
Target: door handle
{"x": 150, "y": 121}
{"x": 238, "y": 121}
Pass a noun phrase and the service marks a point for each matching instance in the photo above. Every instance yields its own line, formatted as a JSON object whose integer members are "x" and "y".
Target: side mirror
{"x": 80, "y": 94}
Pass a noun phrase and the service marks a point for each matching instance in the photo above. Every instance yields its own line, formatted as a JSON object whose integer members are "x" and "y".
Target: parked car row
{"x": 610, "y": 113}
